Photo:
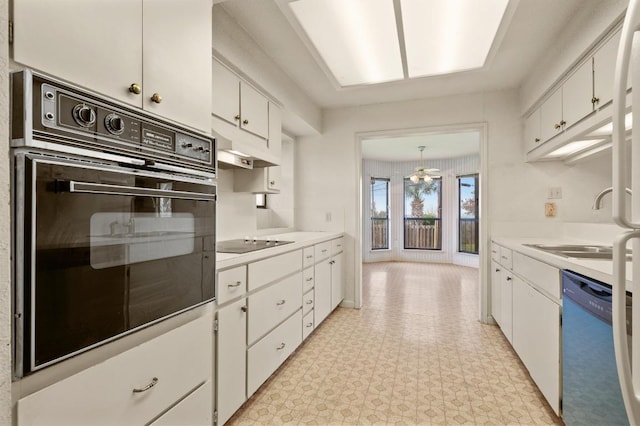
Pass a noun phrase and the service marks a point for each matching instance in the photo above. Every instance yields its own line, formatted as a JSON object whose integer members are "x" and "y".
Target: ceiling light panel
{"x": 357, "y": 39}
{"x": 444, "y": 36}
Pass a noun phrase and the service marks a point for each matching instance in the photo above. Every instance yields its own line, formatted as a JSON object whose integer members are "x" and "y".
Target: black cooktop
{"x": 247, "y": 245}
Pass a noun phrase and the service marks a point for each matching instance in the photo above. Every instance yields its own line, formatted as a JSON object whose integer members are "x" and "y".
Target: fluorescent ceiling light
{"x": 607, "y": 129}
{"x": 241, "y": 154}
{"x": 444, "y": 36}
{"x": 573, "y": 147}
{"x": 357, "y": 39}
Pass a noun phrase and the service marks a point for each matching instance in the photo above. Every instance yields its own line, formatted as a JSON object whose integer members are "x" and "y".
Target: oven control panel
{"x": 73, "y": 116}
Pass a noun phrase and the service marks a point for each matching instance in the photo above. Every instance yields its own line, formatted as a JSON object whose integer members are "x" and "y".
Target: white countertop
{"x": 300, "y": 240}
{"x": 600, "y": 270}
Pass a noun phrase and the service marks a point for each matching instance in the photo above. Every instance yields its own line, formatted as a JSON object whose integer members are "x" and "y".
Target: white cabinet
{"x": 536, "y": 338}
{"x": 238, "y": 103}
{"x": 604, "y": 64}
{"x": 532, "y": 137}
{"x": 271, "y": 351}
{"x": 194, "y": 410}
{"x": 322, "y": 291}
{"x": 506, "y": 304}
{"x": 269, "y": 270}
{"x": 156, "y": 56}
{"x": 329, "y": 288}
{"x": 133, "y": 387}
{"x": 231, "y": 359}
{"x": 265, "y": 180}
{"x": 577, "y": 93}
{"x": 496, "y": 291}
{"x": 551, "y": 122}
{"x": 231, "y": 283}
{"x": 337, "y": 292}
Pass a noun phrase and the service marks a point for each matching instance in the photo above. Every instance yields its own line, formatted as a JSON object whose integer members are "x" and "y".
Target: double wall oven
{"x": 114, "y": 219}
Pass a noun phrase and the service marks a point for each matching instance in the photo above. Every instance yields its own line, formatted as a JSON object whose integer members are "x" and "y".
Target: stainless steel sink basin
{"x": 578, "y": 251}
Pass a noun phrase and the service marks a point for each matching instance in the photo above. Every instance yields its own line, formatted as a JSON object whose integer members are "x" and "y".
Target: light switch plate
{"x": 554, "y": 193}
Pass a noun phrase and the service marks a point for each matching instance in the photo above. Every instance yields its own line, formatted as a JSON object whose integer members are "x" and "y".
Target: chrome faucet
{"x": 598, "y": 200}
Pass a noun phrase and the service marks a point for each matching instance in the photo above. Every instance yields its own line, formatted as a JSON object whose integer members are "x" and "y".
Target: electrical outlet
{"x": 554, "y": 193}
{"x": 550, "y": 209}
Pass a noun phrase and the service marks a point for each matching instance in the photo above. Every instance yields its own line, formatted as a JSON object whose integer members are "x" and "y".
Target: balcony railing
{"x": 379, "y": 233}
{"x": 421, "y": 233}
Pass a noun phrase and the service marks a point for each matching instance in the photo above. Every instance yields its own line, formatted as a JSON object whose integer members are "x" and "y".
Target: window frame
{"x": 476, "y": 218}
{"x": 438, "y": 219}
{"x": 373, "y": 219}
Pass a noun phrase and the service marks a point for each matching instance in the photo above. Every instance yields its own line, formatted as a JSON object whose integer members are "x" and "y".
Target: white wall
{"x": 5, "y": 238}
{"x": 396, "y": 171}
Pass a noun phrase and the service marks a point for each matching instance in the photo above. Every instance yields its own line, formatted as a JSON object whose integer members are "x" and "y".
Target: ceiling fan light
{"x": 414, "y": 179}
{"x": 427, "y": 178}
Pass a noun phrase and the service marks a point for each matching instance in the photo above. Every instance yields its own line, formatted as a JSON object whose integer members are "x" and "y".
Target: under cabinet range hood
{"x": 234, "y": 153}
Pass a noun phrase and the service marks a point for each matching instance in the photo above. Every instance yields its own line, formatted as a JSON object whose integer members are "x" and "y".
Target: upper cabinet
{"x": 152, "y": 54}
{"x": 604, "y": 66}
{"x": 551, "y": 122}
{"x": 577, "y": 94}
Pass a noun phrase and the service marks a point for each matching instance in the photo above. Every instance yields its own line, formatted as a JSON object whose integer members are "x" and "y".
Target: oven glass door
{"x": 109, "y": 251}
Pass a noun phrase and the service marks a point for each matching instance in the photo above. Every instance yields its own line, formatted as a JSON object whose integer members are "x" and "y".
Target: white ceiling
{"x": 532, "y": 28}
{"x": 437, "y": 146}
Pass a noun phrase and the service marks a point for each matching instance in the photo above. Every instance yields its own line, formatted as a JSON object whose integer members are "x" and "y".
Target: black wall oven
{"x": 111, "y": 232}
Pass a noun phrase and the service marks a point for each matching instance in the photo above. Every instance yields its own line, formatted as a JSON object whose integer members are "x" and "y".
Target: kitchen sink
{"x": 579, "y": 251}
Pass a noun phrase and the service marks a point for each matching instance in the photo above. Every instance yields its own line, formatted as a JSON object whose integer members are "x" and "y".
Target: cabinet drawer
{"x": 307, "y": 303}
{"x": 231, "y": 283}
{"x": 322, "y": 251}
{"x": 495, "y": 252}
{"x": 269, "y": 270}
{"x": 269, "y": 307}
{"x": 506, "y": 257}
{"x": 307, "y": 325}
{"x": 307, "y": 280}
{"x": 337, "y": 245}
{"x": 307, "y": 257}
{"x": 265, "y": 357}
{"x": 543, "y": 276}
{"x": 194, "y": 410}
{"x": 177, "y": 361}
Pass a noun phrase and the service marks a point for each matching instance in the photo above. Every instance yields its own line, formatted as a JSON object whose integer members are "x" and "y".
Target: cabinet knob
{"x": 537, "y": 140}
{"x": 557, "y": 126}
{"x": 237, "y": 117}
{"x": 562, "y": 123}
{"x": 156, "y": 98}
{"x": 135, "y": 88}
{"x": 309, "y": 302}
{"x": 245, "y": 122}
{"x": 595, "y": 100}
{"x": 280, "y": 302}
{"x": 497, "y": 270}
{"x": 509, "y": 278}
{"x": 243, "y": 309}
{"x": 273, "y": 182}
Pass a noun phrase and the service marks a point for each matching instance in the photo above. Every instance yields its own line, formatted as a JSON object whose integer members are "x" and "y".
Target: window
{"x": 468, "y": 214}
{"x": 379, "y": 213}
{"x": 422, "y": 215}
{"x": 261, "y": 201}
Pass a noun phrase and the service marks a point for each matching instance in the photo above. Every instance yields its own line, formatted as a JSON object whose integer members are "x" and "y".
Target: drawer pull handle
{"x": 309, "y": 324}
{"x": 154, "y": 382}
{"x": 308, "y": 302}
{"x": 281, "y": 302}
{"x": 310, "y": 256}
{"x": 281, "y": 347}
{"x": 310, "y": 279}
{"x": 237, "y": 284}
{"x": 324, "y": 251}
{"x": 497, "y": 270}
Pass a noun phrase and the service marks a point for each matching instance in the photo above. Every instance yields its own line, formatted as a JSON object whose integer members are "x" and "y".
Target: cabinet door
{"x": 337, "y": 291}
{"x": 194, "y": 410}
{"x": 532, "y": 131}
{"x": 274, "y": 175}
{"x": 604, "y": 66}
{"x": 577, "y": 93}
{"x": 231, "y": 359}
{"x": 177, "y": 60}
{"x": 536, "y": 338}
{"x": 91, "y": 43}
{"x": 254, "y": 111}
{"x": 551, "y": 116}
{"x": 506, "y": 311}
{"x": 496, "y": 291}
{"x": 322, "y": 289}
{"x": 225, "y": 102}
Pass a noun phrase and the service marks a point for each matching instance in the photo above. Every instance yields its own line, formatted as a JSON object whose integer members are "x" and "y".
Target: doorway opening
{"x": 423, "y": 204}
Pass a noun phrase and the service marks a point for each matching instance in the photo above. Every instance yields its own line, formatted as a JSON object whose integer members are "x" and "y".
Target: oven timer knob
{"x": 84, "y": 115}
{"x": 114, "y": 124}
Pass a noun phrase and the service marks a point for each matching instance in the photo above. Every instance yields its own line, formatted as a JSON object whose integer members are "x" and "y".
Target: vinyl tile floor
{"x": 415, "y": 353}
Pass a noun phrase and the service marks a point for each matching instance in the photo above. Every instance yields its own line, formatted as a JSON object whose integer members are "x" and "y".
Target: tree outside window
{"x": 422, "y": 215}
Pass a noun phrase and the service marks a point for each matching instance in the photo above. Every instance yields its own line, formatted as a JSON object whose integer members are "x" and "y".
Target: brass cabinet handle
{"x": 595, "y": 100}
{"x": 237, "y": 284}
{"x": 557, "y": 126}
{"x": 281, "y": 302}
{"x": 237, "y": 117}
{"x": 243, "y": 308}
{"x": 310, "y": 256}
{"x": 154, "y": 382}
{"x": 509, "y": 278}
{"x": 537, "y": 140}
{"x": 282, "y": 345}
{"x": 245, "y": 121}
{"x": 310, "y": 279}
{"x": 135, "y": 88}
{"x": 497, "y": 270}
{"x": 562, "y": 123}
{"x": 156, "y": 98}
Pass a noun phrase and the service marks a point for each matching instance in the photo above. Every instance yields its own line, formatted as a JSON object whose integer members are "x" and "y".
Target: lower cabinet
{"x": 322, "y": 289}
{"x": 496, "y": 292}
{"x": 272, "y": 350}
{"x": 337, "y": 292}
{"x": 536, "y": 338}
{"x": 194, "y": 410}
{"x": 506, "y": 307}
{"x": 231, "y": 359}
{"x": 137, "y": 386}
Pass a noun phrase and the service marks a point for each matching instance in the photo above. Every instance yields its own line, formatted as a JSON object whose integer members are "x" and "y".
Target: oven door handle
{"x": 101, "y": 188}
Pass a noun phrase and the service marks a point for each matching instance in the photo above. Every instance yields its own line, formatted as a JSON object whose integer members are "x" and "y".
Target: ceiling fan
{"x": 422, "y": 173}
